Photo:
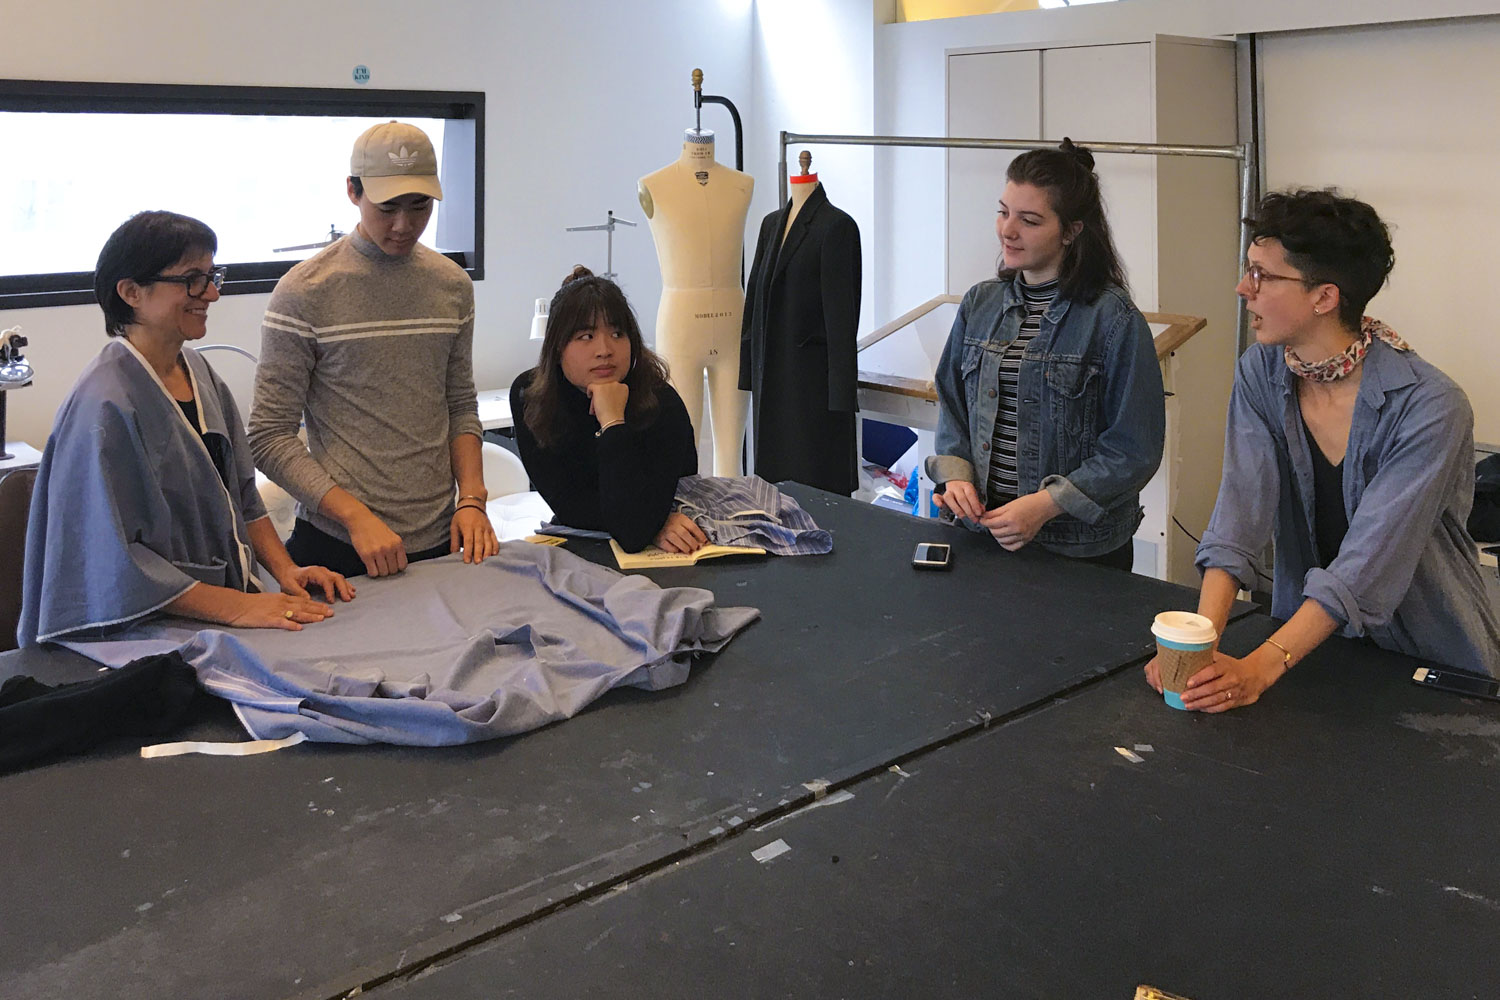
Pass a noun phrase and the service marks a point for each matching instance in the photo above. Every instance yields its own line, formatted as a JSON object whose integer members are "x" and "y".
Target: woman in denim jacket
{"x": 1051, "y": 413}
{"x": 1361, "y": 465}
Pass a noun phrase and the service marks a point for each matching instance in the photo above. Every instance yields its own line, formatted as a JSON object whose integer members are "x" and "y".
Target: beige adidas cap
{"x": 395, "y": 159}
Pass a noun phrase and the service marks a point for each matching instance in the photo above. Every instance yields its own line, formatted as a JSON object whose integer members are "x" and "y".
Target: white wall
{"x": 909, "y": 98}
{"x": 1419, "y": 140}
{"x": 814, "y": 72}
{"x": 583, "y": 98}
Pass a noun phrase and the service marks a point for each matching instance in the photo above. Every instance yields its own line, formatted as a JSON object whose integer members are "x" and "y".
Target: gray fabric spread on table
{"x": 448, "y": 653}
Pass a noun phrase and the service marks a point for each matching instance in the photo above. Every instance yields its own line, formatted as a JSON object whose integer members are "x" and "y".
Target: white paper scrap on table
{"x": 1130, "y": 755}
{"x": 774, "y": 849}
{"x": 244, "y": 749}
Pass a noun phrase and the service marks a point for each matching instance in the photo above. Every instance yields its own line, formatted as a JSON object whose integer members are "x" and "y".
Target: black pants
{"x": 1120, "y": 558}
{"x": 310, "y": 546}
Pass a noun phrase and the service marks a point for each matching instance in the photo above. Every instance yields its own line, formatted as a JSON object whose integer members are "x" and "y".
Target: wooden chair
{"x": 15, "y": 508}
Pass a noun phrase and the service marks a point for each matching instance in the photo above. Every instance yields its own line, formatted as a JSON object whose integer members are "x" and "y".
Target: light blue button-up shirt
{"x": 1407, "y": 574}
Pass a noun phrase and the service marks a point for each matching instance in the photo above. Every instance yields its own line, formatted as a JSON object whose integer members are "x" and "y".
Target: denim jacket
{"x": 1092, "y": 412}
{"x": 1407, "y": 573}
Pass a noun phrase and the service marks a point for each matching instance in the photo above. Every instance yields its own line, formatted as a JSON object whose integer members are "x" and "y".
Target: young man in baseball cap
{"x": 370, "y": 343}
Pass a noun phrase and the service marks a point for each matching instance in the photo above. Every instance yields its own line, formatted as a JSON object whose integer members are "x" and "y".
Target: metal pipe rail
{"x": 1243, "y": 153}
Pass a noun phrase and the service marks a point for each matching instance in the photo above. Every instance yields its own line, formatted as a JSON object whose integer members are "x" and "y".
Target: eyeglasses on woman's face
{"x": 196, "y": 282}
{"x": 1258, "y": 274}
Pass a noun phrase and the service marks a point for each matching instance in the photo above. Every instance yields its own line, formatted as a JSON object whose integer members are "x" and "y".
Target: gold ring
{"x": 287, "y": 614}
{"x": 1228, "y": 696}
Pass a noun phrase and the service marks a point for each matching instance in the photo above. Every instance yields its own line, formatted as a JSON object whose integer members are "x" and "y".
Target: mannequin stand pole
{"x": 4, "y": 454}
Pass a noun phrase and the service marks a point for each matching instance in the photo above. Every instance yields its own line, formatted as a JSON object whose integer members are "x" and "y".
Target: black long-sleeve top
{"x": 623, "y": 480}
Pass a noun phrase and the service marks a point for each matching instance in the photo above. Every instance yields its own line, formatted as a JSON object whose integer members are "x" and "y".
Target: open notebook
{"x": 651, "y": 556}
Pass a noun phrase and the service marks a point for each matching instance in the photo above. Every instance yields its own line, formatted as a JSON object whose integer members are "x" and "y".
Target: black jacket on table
{"x": 797, "y": 346}
{"x": 623, "y": 480}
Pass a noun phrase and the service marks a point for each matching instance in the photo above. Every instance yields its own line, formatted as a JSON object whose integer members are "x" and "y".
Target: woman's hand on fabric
{"x": 1229, "y": 682}
{"x": 377, "y": 545}
{"x": 299, "y": 581}
{"x": 680, "y": 534}
{"x": 1016, "y": 523}
{"x": 471, "y": 531}
{"x": 285, "y": 611}
{"x": 607, "y": 401}
{"x": 960, "y": 497}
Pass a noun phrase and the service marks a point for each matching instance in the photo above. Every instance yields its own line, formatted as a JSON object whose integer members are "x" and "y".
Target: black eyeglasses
{"x": 196, "y": 282}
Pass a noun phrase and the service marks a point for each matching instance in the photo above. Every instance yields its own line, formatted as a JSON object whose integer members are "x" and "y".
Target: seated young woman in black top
{"x": 603, "y": 436}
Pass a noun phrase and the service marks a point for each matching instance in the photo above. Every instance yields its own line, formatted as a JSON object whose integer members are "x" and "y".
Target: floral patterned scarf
{"x": 1342, "y": 364}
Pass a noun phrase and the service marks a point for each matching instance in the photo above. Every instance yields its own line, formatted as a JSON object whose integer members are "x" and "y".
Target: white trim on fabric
{"x": 241, "y": 716}
{"x": 118, "y": 621}
{"x": 240, "y": 547}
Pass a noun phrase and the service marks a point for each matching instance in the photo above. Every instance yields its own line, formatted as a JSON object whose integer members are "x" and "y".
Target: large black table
{"x": 1336, "y": 840}
{"x": 319, "y": 869}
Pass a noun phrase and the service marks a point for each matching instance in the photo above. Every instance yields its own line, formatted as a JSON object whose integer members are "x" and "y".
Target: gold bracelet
{"x": 473, "y": 496}
{"x": 1286, "y": 654}
{"x": 612, "y": 423}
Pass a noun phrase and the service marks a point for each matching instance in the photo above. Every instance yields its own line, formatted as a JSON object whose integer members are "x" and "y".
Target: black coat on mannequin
{"x": 797, "y": 346}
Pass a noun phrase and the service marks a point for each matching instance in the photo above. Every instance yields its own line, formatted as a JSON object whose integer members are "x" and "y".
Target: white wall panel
{"x": 991, "y": 95}
{"x": 1403, "y": 117}
{"x": 1104, "y": 93}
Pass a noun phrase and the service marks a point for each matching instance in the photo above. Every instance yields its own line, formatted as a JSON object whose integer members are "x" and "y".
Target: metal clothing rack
{"x": 1243, "y": 153}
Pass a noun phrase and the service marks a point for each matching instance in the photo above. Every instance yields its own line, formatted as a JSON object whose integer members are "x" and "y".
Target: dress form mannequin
{"x": 801, "y": 188}
{"x": 798, "y": 352}
{"x": 696, "y": 209}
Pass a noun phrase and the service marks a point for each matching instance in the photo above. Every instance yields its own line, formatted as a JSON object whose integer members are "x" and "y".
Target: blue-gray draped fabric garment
{"x": 446, "y": 653}
{"x": 129, "y": 511}
{"x": 737, "y": 510}
{"x": 747, "y": 510}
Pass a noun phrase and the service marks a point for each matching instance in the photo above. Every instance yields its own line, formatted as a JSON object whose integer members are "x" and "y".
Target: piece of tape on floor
{"x": 774, "y": 849}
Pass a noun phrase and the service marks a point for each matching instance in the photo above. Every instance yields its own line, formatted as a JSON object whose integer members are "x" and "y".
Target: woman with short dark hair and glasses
{"x": 1351, "y": 452}
{"x": 145, "y": 500}
{"x": 603, "y": 435}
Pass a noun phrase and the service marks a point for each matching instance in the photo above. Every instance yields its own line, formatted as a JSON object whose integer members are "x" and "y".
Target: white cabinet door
{"x": 1104, "y": 93}
{"x": 991, "y": 95}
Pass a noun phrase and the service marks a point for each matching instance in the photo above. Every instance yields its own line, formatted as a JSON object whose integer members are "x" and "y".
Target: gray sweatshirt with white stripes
{"x": 376, "y": 353}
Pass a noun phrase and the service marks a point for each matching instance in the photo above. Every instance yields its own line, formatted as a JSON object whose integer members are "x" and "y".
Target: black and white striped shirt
{"x": 1003, "y": 484}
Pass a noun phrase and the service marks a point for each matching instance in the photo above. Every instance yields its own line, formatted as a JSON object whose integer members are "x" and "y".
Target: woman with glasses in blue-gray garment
{"x": 1051, "y": 413}
{"x": 1349, "y": 450}
{"x": 145, "y": 500}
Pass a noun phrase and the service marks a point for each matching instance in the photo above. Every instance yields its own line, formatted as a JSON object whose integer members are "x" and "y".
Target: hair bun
{"x": 579, "y": 272}
{"x": 1081, "y": 154}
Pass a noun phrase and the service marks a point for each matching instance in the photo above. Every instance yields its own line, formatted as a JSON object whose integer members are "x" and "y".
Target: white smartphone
{"x": 932, "y": 555}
